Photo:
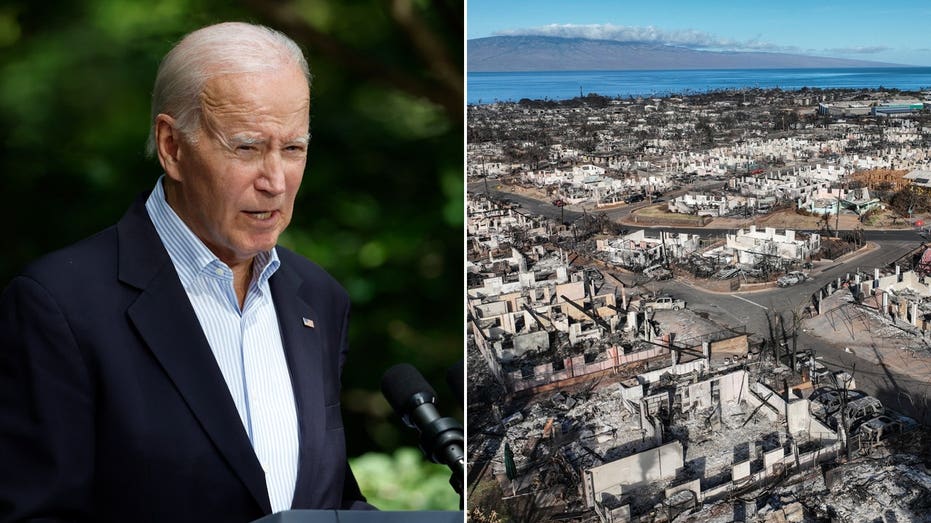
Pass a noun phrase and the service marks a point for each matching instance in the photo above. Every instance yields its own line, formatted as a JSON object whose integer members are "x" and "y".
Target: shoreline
{"x": 645, "y": 84}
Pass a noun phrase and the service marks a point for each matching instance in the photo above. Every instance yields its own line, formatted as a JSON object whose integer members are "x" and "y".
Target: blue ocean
{"x": 560, "y": 85}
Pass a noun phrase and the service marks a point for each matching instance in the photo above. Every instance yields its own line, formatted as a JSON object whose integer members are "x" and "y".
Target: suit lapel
{"x": 166, "y": 321}
{"x": 302, "y": 347}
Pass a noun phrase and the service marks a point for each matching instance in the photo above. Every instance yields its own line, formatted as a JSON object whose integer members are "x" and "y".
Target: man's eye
{"x": 246, "y": 148}
{"x": 295, "y": 150}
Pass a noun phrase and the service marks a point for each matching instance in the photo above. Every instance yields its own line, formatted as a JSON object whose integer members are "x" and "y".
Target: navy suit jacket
{"x": 113, "y": 408}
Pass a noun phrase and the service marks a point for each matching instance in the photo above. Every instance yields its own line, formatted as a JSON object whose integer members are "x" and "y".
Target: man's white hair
{"x": 227, "y": 48}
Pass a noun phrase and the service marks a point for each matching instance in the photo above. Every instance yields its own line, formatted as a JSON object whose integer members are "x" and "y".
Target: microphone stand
{"x": 443, "y": 438}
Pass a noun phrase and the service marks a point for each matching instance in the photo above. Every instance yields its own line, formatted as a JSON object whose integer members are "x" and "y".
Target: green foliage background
{"x": 381, "y": 206}
{"x": 404, "y": 481}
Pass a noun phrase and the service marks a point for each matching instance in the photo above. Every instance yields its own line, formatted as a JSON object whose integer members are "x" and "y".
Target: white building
{"x": 710, "y": 204}
{"x": 639, "y": 250}
{"x": 753, "y": 246}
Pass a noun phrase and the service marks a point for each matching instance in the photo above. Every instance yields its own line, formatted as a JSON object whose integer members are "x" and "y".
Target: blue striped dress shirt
{"x": 246, "y": 343}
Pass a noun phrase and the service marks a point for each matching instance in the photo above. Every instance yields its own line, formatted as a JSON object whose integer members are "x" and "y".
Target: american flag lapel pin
{"x": 308, "y": 323}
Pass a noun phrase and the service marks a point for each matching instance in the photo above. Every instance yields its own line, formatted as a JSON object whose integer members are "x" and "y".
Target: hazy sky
{"x": 884, "y": 31}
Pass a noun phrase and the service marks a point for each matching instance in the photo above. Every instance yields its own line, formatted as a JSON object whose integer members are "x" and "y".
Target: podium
{"x": 363, "y": 516}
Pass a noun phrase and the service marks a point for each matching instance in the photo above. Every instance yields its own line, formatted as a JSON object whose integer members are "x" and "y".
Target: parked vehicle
{"x": 791, "y": 279}
{"x": 863, "y": 408}
{"x": 827, "y": 401}
{"x": 856, "y": 413}
{"x": 878, "y": 428}
{"x": 664, "y": 302}
{"x": 657, "y": 272}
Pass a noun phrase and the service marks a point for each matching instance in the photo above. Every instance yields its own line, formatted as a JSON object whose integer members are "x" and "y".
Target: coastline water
{"x": 486, "y": 88}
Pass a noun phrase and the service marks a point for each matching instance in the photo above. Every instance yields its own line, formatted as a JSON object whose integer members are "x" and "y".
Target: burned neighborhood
{"x": 706, "y": 307}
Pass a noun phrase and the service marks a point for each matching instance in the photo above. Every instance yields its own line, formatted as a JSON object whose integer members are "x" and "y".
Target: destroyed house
{"x": 642, "y": 248}
{"x": 711, "y": 436}
{"x": 702, "y": 204}
{"x": 776, "y": 185}
{"x": 522, "y": 316}
{"x": 753, "y": 246}
{"x": 488, "y": 217}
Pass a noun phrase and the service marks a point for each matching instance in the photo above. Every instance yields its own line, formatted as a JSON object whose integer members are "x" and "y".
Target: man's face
{"x": 237, "y": 182}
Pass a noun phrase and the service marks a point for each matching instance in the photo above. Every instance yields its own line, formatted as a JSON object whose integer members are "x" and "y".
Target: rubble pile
{"x": 588, "y": 428}
{"x": 892, "y": 488}
{"x": 714, "y": 440}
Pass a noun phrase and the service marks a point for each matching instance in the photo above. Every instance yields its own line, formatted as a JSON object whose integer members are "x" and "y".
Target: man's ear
{"x": 168, "y": 145}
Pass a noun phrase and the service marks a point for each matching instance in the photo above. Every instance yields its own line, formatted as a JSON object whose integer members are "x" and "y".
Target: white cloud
{"x": 685, "y": 37}
{"x": 859, "y": 50}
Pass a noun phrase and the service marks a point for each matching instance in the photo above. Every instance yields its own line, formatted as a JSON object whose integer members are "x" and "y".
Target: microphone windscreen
{"x": 400, "y": 383}
{"x": 455, "y": 378}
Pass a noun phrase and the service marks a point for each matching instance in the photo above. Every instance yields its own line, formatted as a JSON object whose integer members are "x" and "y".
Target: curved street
{"x": 908, "y": 392}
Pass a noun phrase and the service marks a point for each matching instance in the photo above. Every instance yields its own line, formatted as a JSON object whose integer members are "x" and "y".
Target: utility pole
{"x": 485, "y": 176}
{"x": 837, "y": 218}
{"x": 662, "y": 238}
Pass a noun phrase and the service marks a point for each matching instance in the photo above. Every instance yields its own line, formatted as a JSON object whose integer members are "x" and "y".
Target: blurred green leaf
{"x": 404, "y": 481}
{"x": 9, "y": 27}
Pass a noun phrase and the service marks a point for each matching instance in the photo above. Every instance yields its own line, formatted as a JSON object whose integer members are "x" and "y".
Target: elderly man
{"x": 179, "y": 366}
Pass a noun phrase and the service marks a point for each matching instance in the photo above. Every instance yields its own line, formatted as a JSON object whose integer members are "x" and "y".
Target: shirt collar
{"x": 188, "y": 253}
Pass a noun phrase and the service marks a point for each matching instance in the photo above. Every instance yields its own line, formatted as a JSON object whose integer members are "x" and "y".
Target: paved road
{"x": 908, "y": 394}
{"x": 750, "y": 308}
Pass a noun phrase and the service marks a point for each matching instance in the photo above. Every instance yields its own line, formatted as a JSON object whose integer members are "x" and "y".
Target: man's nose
{"x": 272, "y": 179}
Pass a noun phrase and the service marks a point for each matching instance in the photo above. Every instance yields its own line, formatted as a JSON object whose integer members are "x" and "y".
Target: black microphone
{"x": 455, "y": 376}
{"x": 441, "y": 439}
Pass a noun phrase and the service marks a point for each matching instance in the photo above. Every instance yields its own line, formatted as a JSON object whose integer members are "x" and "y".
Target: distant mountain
{"x": 547, "y": 53}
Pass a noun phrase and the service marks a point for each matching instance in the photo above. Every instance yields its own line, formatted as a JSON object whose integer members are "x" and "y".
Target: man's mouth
{"x": 260, "y": 215}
